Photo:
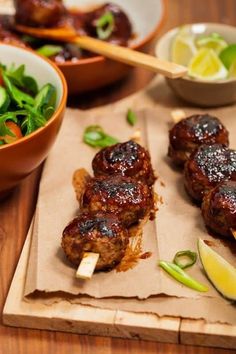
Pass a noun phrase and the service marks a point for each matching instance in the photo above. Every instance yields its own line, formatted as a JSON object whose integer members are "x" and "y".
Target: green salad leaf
{"x": 23, "y": 103}
{"x": 18, "y": 78}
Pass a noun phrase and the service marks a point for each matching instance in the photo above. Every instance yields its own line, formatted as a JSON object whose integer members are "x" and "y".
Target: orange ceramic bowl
{"x": 95, "y": 72}
{"x": 19, "y": 159}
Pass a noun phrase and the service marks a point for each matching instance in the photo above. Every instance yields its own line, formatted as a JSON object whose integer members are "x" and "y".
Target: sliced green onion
{"x": 105, "y": 25}
{"x": 192, "y": 257}
{"x": 49, "y": 50}
{"x": 131, "y": 117}
{"x": 95, "y": 136}
{"x": 180, "y": 275}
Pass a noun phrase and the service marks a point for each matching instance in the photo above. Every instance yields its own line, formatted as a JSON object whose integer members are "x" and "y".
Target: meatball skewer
{"x": 98, "y": 237}
{"x": 111, "y": 203}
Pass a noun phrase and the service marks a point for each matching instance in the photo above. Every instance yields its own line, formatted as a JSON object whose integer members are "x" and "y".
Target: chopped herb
{"x": 105, "y": 25}
{"x": 49, "y": 50}
{"x": 180, "y": 275}
{"x": 191, "y": 256}
{"x": 95, "y": 136}
{"x": 131, "y": 117}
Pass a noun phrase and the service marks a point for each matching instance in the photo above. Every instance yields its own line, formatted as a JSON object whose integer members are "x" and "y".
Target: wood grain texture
{"x": 16, "y": 213}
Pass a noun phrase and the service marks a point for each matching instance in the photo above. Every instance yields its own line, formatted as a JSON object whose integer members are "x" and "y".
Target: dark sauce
{"x": 146, "y": 255}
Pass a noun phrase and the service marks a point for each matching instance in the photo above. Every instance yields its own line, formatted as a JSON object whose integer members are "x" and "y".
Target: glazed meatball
{"x": 191, "y": 132}
{"x": 97, "y": 232}
{"x": 39, "y": 12}
{"x": 122, "y": 30}
{"x": 219, "y": 208}
{"x": 206, "y": 167}
{"x": 6, "y": 32}
{"x": 130, "y": 199}
{"x": 128, "y": 159}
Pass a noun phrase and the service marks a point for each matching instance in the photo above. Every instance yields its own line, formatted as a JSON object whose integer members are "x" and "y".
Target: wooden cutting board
{"x": 64, "y": 316}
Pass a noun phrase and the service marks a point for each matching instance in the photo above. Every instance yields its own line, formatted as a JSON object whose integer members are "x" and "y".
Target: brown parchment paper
{"x": 177, "y": 226}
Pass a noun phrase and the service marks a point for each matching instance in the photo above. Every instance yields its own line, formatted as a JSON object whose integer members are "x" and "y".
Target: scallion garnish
{"x": 95, "y": 136}
{"x": 49, "y": 50}
{"x": 180, "y": 275}
{"x": 190, "y": 255}
{"x": 105, "y": 25}
{"x": 131, "y": 117}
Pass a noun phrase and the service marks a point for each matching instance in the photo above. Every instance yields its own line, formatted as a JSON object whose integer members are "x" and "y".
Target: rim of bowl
{"x": 58, "y": 110}
{"x": 187, "y": 78}
{"x": 145, "y": 40}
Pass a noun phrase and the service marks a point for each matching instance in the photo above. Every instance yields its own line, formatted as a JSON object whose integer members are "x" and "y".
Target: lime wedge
{"x": 228, "y": 55}
{"x": 232, "y": 70}
{"x": 221, "y": 273}
{"x": 183, "y": 48}
{"x": 206, "y": 65}
{"x": 213, "y": 41}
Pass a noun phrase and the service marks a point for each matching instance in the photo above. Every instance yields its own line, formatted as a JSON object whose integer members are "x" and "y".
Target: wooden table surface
{"x": 16, "y": 213}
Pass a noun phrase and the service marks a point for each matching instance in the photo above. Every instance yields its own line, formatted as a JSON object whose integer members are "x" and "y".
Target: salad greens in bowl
{"x": 23, "y": 106}
{"x": 33, "y": 97}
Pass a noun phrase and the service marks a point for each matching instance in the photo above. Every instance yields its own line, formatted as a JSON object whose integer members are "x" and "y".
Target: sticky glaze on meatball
{"x": 45, "y": 13}
{"x": 206, "y": 167}
{"x": 219, "y": 208}
{"x": 122, "y": 30}
{"x": 191, "y": 132}
{"x": 6, "y": 32}
{"x": 130, "y": 199}
{"x": 128, "y": 159}
{"x": 97, "y": 232}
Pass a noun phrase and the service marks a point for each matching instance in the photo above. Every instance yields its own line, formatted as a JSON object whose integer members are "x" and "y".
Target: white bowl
{"x": 199, "y": 92}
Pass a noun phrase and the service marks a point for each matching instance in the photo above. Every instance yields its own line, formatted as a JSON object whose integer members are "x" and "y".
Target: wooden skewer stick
{"x": 177, "y": 115}
{"x": 233, "y": 233}
{"x": 87, "y": 265}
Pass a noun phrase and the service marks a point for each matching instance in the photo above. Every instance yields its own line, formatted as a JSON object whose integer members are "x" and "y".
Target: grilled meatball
{"x": 128, "y": 159}
{"x": 6, "y": 32}
{"x": 191, "y": 132}
{"x": 122, "y": 30}
{"x": 219, "y": 208}
{"x": 39, "y": 12}
{"x": 206, "y": 167}
{"x": 130, "y": 199}
{"x": 98, "y": 232}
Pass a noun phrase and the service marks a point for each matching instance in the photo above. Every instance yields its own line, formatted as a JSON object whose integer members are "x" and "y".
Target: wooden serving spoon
{"x": 112, "y": 51}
